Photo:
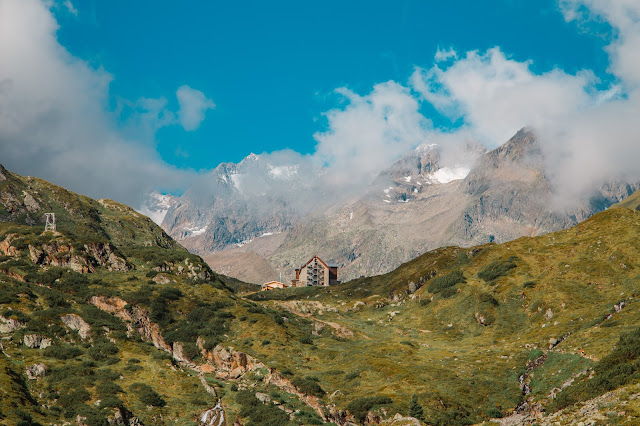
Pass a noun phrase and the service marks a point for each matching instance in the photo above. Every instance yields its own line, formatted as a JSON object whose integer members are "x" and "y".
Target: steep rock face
{"x": 84, "y": 260}
{"x": 236, "y": 203}
{"x": 510, "y": 196}
{"x": 429, "y": 198}
{"x": 136, "y": 318}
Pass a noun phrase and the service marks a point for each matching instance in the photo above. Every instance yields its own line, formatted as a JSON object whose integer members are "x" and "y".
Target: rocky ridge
{"x": 421, "y": 202}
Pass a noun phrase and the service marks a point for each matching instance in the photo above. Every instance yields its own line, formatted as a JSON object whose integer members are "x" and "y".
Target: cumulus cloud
{"x": 445, "y": 54}
{"x": 588, "y": 135}
{"x": 193, "y": 106}
{"x": 369, "y": 133}
{"x": 496, "y": 96}
{"x": 55, "y": 121}
{"x": 72, "y": 10}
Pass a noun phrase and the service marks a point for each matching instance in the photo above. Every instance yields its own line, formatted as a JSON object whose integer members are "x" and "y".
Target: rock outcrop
{"x": 36, "y": 371}
{"x": 84, "y": 260}
{"x": 76, "y": 323}
{"x": 9, "y": 325}
{"x": 35, "y": 341}
{"x": 136, "y": 318}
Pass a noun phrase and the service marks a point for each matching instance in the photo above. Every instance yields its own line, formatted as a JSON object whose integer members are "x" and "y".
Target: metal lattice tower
{"x": 50, "y": 225}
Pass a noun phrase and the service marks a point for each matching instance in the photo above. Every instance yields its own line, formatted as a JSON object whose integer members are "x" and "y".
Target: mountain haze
{"x": 429, "y": 198}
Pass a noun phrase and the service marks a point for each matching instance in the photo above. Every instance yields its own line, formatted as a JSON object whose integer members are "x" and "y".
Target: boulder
{"x": 30, "y": 203}
{"x": 76, "y": 323}
{"x": 317, "y": 328}
{"x": 9, "y": 325}
{"x": 36, "y": 371}
{"x": 178, "y": 352}
{"x": 162, "y": 279}
{"x": 263, "y": 397}
{"x": 35, "y": 341}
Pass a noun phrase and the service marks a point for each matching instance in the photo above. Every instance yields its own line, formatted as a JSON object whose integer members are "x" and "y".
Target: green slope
{"x": 559, "y": 286}
{"x": 455, "y": 327}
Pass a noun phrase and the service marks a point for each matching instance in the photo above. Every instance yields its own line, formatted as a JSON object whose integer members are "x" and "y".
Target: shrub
{"x": 147, "y": 395}
{"x": 415, "y": 409}
{"x": 309, "y": 385}
{"x": 487, "y": 298}
{"x": 258, "y": 413}
{"x": 99, "y": 319}
{"x": 529, "y": 284}
{"x": 101, "y": 349}
{"x": 446, "y": 281}
{"x": 62, "y": 351}
{"x": 306, "y": 340}
{"x": 448, "y": 292}
{"x": 361, "y": 406}
{"x": 494, "y": 413}
{"x": 110, "y": 401}
{"x": 108, "y": 388}
{"x": 73, "y": 397}
{"x": 497, "y": 269}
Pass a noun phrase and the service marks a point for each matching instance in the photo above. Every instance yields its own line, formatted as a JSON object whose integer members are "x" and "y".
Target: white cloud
{"x": 589, "y": 136}
{"x": 54, "y": 119}
{"x": 624, "y": 17}
{"x": 496, "y": 96}
{"x": 193, "y": 106}
{"x": 72, "y": 10}
{"x": 444, "y": 55}
{"x": 369, "y": 133}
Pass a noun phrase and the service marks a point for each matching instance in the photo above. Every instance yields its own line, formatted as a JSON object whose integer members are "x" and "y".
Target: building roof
{"x": 319, "y": 260}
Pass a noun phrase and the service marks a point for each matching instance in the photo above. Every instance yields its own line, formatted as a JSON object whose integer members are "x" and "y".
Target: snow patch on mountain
{"x": 449, "y": 174}
{"x": 195, "y": 231}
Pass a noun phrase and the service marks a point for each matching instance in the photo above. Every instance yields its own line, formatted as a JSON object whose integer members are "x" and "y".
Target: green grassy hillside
{"x": 462, "y": 340}
{"x": 109, "y": 318}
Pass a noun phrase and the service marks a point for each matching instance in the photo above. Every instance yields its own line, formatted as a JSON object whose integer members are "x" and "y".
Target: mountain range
{"x": 260, "y": 219}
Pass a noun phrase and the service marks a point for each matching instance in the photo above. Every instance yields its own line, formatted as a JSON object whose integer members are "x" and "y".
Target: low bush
{"x": 494, "y": 413}
{"x": 497, "y": 269}
{"x": 258, "y": 413}
{"x": 487, "y": 298}
{"x": 309, "y": 385}
{"x": 62, "y": 351}
{"x": 352, "y": 375}
{"x": 361, "y": 406}
{"x": 448, "y": 292}
{"x": 446, "y": 281}
{"x": 147, "y": 395}
{"x": 102, "y": 349}
{"x": 306, "y": 340}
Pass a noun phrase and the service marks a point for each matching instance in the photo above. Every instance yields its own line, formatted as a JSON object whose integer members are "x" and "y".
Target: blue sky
{"x": 116, "y": 99}
{"x": 271, "y": 67}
